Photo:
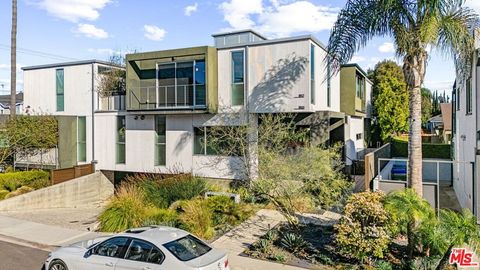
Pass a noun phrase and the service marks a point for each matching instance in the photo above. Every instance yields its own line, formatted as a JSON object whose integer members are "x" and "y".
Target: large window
{"x": 223, "y": 141}
{"x": 160, "y": 140}
{"x": 360, "y": 86}
{"x": 238, "y": 78}
{"x": 312, "y": 74}
{"x": 121, "y": 131}
{"x": 469, "y": 95}
{"x": 82, "y": 139}
{"x": 180, "y": 84}
{"x": 60, "y": 90}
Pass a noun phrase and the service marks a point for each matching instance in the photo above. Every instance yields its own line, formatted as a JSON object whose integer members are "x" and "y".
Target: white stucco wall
{"x": 353, "y": 127}
{"x": 278, "y": 78}
{"x": 465, "y": 143}
{"x": 140, "y": 146}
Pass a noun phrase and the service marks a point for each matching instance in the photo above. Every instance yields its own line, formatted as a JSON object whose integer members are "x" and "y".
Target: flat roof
{"x": 239, "y": 32}
{"x": 355, "y": 65}
{"x": 277, "y": 40}
{"x": 73, "y": 63}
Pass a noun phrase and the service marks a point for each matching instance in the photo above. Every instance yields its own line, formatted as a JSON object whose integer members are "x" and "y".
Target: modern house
{"x": 356, "y": 103}
{"x": 465, "y": 135}
{"x": 173, "y": 96}
{"x": 441, "y": 125}
{"x": 68, "y": 91}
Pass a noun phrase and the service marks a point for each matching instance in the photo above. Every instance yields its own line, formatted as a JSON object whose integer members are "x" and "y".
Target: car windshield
{"x": 187, "y": 248}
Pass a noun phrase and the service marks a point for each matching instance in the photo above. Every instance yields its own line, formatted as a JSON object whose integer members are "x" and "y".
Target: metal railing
{"x": 167, "y": 97}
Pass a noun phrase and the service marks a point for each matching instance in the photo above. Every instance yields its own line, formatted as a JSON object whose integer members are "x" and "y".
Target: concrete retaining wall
{"x": 83, "y": 191}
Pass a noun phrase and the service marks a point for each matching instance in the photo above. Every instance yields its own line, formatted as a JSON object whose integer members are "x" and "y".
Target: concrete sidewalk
{"x": 32, "y": 232}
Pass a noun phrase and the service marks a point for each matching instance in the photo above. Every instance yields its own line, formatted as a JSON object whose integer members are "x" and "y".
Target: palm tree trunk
{"x": 13, "y": 63}
{"x": 414, "y": 71}
{"x": 444, "y": 261}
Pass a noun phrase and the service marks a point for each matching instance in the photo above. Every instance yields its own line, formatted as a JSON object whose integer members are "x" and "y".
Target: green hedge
{"x": 429, "y": 150}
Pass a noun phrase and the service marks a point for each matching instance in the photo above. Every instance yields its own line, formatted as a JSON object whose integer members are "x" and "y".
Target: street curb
{"x": 25, "y": 243}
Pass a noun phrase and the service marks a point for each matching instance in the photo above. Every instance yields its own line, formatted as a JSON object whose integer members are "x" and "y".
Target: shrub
{"x": 126, "y": 210}
{"x": 158, "y": 216}
{"x": 364, "y": 230}
{"x": 226, "y": 211}
{"x": 163, "y": 192}
{"x": 293, "y": 242}
{"x": 19, "y": 191}
{"x": 36, "y": 179}
{"x": 196, "y": 217}
{"x": 3, "y": 194}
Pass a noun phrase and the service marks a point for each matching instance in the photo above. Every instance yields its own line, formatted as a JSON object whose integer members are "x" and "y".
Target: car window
{"x": 187, "y": 248}
{"x": 114, "y": 247}
{"x": 144, "y": 252}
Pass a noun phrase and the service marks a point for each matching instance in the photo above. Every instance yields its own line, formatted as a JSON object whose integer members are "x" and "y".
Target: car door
{"x": 142, "y": 255}
{"x": 105, "y": 255}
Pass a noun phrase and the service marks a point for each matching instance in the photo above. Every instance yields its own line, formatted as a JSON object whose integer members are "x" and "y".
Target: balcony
{"x": 168, "y": 97}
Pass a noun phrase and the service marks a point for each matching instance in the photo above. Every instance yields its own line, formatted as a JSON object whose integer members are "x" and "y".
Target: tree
{"x": 410, "y": 212}
{"x": 13, "y": 61}
{"x": 390, "y": 99}
{"x": 289, "y": 168}
{"x": 426, "y": 105}
{"x": 457, "y": 229}
{"x": 28, "y": 136}
{"x": 112, "y": 81}
{"x": 446, "y": 25}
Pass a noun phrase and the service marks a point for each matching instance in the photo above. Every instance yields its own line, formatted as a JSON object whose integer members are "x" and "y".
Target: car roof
{"x": 158, "y": 235}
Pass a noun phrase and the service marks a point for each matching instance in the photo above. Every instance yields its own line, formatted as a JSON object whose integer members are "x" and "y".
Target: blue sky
{"x": 51, "y": 31}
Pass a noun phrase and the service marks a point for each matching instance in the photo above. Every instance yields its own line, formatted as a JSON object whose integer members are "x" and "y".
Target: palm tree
{"x": 457, "y": 230}
{"x": 445, "y": 25}
{"x": 13, "y": 63}
{"x": 409, "y": 212}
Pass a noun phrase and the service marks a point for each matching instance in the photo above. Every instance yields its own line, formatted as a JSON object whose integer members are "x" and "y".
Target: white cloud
{"x": 102, "y": 51}
{"x": 4, "y": 66}
{"x": 238, "y": 12}
{"x": 358, "y": 59}
{"x": 91, "y": 31}
{"x": 278, "y": 18}
{"x": 74, "y": 10}
{"x": 154, "y": 32}
{"x": 190, "y": 9}
{"x": 386, "y": 47}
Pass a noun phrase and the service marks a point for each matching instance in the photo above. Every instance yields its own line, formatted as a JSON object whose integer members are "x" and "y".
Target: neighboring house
{"x": 174, "y": 96}
{"x": 356, "y": 103}
{"x": 441, "y": 125}
{"x": 69, "y": 92}
{"x": 5, "y": 104}
{"x": 465, "y": 135}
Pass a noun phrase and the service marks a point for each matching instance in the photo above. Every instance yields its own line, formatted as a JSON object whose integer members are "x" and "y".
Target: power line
{"x": 38, "y": 53}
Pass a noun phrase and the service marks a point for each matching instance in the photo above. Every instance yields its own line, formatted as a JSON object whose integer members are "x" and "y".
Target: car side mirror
{"x": 88, "y": 253}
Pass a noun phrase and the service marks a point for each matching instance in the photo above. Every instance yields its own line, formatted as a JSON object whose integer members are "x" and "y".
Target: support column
{"x": 252, "y": 138}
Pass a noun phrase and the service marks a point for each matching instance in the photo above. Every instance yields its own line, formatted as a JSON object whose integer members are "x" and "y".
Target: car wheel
{"x": 58, "y": 265}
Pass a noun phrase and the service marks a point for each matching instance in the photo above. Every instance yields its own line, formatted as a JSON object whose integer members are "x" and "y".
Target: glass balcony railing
{"x": 186, "y": 96}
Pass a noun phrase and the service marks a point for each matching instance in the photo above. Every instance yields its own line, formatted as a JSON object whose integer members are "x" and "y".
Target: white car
{"x": 149, "y": 248}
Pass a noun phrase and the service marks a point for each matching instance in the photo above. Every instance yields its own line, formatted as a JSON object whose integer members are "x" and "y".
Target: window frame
{"x": 232, "y": 81}
{"x": 312, "y": 74}
{"x": 83, "y": 143}
{"x": 158, "y": 144}
{"x": 118, "y": 142}
{"x": 468, "y": 97}
{"x": 132, "y": 239}
{"x": 60, "y": 94}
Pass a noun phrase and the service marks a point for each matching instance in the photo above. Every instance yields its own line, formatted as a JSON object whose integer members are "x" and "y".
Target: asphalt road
{"x": 16, "y": 257}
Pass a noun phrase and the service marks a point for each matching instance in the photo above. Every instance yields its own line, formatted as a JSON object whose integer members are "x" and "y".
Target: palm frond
{"x": 359, "y": 22}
